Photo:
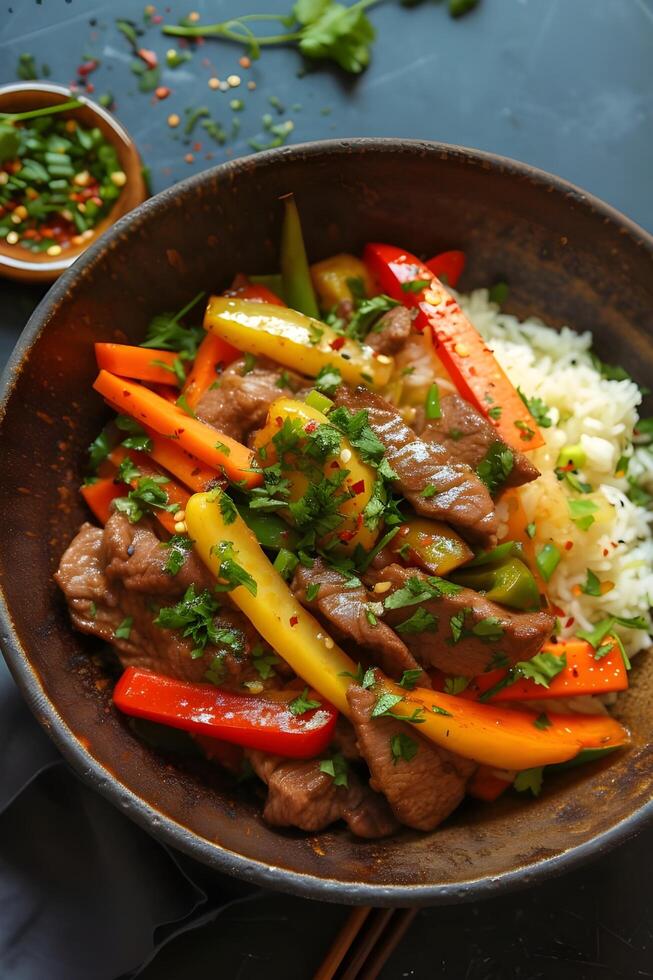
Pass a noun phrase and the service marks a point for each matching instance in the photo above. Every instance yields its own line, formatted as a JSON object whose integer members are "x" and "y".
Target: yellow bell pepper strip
{"x": 470, "y": 362}
{"x": 295, "y": 274}
{"x": 359, "y": 482}
{"x": 294, "y": 340}
{"x": 583, "y": 674}
{"x": 431, "y": 545}
{"x": 502, "y": 737}
{"x": 280, "y": 619}
{"x": 331, "y": 279}
{"x": 499, "y": 737}
{"x": 140, "y": 363}
{"x": 201, "y": 440}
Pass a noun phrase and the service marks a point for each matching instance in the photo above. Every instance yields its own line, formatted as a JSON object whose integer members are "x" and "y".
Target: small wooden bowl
{"x": 17, "y": 262}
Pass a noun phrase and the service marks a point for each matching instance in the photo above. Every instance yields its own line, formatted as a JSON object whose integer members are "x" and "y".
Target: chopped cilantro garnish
{"x": 592, "y": 584}
{"x": 137, "y": 439}
{"x": 529, "y": 780}
{"x": 418, "y": 590}
{"x": 489, "y": 629}
{"x": 385, "y": 703}
{"x": 98, "y": 450}
{"x": 437, "y": 710}
{"x": 457, "y": 623}
{"x": 165, "y": 332}
{"x": 336, "y": 767}
{"x": 195, "y": 615}
{"x": 541, "y": 668}
{"x": 455, "y": 685}
{"x": 415, "y": 285}
{"x": 543, "y": 721}
{"x": 227, "y": 509}
{"x": 582, "y": 513}
{"x": 123, "y": 631}
{"x": 179, "y": 546}
{"x": 538, "y": 409}
{"x": 230, "y": 572}
{"x": 146, "y": 496}
{"x": 409, "y": 679}
{"x": 421, "y": 621}
{"x": 531, "y": 529}
{"x": 128, "y": 472}
{"x": 312, "y": 591}
{"x": 403, "y": 747}
{"x": 302, "y": 703}
{"x": 496, "y": 467}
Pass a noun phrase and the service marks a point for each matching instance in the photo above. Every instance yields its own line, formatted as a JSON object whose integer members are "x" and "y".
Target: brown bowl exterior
{"x": 567, "y": 258}
{"x": 17, "y": 263}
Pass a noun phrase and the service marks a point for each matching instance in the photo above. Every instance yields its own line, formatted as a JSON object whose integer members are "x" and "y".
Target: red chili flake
{"x": 335, "y": 465}
{"x": 337, "y": 343}
{"x": 127, "y": 394}
{"x": 90, "y": 88}
{"x": 149, "y": 57}
{"x": 574, "y": 671}
{"x": 279, "y": 421}
{"x": 162, "y": 92}
{"x": 566, "y": 469}
{"x": 570, "y": 622}
{"x": 614, "y": 544}
{"x": 197, "y": 147}
{"x": 293, "y": 620}
{"x": 86, "y": 68}
{"x": 310, "y": 427}
{"x": 359, "y": 487}
{"x": 345, "y": 536}
{"x": 569, "y": 545}
{"x": 450, "y": 302}
{"x": 157, "y": 19}
{"x": 605, "y": 552}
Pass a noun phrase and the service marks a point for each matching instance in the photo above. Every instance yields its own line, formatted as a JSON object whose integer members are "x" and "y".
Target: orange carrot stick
{"x": 190, "y": 470}
{"x": 176, "y": 494}
{"x": 218, "y": 450}
{"x": 486, "y": 785}
{"x": 213, "y": 354}
{"x": 100, "y": 495}
{"x": 138, "y": 362}
{"x": 582, "y": 675}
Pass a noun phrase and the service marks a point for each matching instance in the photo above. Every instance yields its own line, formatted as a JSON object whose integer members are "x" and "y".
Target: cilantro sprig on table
{"x": 322, "y": 30}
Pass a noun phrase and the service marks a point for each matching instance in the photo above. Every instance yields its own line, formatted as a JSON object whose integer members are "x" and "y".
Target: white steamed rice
{"x": 599, "y": 414}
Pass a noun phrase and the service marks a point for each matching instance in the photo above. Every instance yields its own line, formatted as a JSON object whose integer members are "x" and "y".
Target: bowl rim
{"x": 10, "y": 265}
{"x": 169, "y": 831}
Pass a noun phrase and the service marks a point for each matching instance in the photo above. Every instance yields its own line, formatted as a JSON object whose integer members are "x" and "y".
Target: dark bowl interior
{"x": 567, "y": 258}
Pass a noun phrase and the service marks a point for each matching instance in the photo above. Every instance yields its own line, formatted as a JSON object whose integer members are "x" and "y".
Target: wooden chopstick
{"x": 365, "y": 943}
{"x": 342, "y": 943}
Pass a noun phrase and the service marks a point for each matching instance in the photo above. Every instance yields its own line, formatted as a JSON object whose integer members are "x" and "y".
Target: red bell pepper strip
{"x": 256, "y": 292}
{"x": 582, "y": 675}
{"x": 471, "y": 364}
{"x": 447, "y": 266}
{"x": 253, "y": 721}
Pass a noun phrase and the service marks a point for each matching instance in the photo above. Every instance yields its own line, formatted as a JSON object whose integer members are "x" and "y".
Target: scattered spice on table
{"x": 58, "y": 179}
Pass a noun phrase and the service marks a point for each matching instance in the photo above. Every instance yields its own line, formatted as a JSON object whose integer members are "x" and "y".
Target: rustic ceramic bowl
{"x": 566, "y": 256}
{"x": 17, "y": 262}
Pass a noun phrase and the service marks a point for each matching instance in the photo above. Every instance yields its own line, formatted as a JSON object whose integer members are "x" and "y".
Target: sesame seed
{"x": 173, "y": 120}
{"x": 224, "y": 86}
{"x": 16, "y": 218}
{"x": 328, "y": 642}
{"x": 214, "y": 82}
{"x": 462, "y": 350}
{"x": 381, "y": 587}
{"x": 251, "y": 86}
{"x": 54, "y": 250}
{"x": 254, "y": 687}
{"x": 433, "y": 297}
{"x": 12, "y": 238}
{"x": 82, "y": 179}
{"x": 180, "y": 527}
{"x": 119, "y": 178}
{"x": 180, "y": 515}
{"x": 345, "y": 455}
{"x": 233, "y": 81}
{"x": 384, "y": 359}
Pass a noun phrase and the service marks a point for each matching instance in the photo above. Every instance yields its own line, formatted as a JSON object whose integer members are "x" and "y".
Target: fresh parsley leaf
{"x": 264, "y": 662}
{"x": 418, "y": 590}
{"x": 230, "y": 572}
{"x": 455, "y": 685}
{"x": 179, "y": 547}
{"x": 128, "y": 472}
{"x": 136, "y": 439}
{"x": 409, "y": 679}
{"x": 194, "y": 615}
{"x": 364, "y": 678}
{"x": 336, "y": 767}
{"x": 312, "y": 591}
{"x": 403, "y": 747}
{"x": 496, "y": 467}
{"x": 367, "y": 314}
{"x": 499, "y": 292}
{"x": 542, "y": 668}
{"x": 385, "y": 703}
{"x": 437, "y": 710}
{"x": 457, "y": 623}
{"x": 328, "y": 379}
{"x": 123, "y": 631}
{"x": 415, "y": 285}
{"x": 489, "y": 629}
{"x": 529, "y": 780}
{"x": 538, "y": 409}
{"x": 146, "y": 496}
{"x": 335, "y": 32}
{"x": 592, "y": 584}
{"x": 357, "y": 429}
{"x": 217, "y": 669}
{"x": 302, "y": 703}
{"x": 421, "y": 621}
{"x": 611, "y": 372}
{"x": 165, "y": 331}
{"x": 225, "y": 450}
{"x": 543, "y": 721}
{"x": 98, "y": 451}
{"x": 227, "y": 509}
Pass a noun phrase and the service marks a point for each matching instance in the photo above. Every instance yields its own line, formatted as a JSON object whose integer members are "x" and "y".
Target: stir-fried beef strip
{"x": 103, "y": 593}
{"x": 436, "y": 486}
{"x": 460, "y": 632}
{"x": 239, "y": 400}
{"x": 348, "y": 612}
{"x": 468, "y": 437}
{"x": 391, "y": 331}
{"x": 301, "y": 795}
{"x": 422, "y": 783}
